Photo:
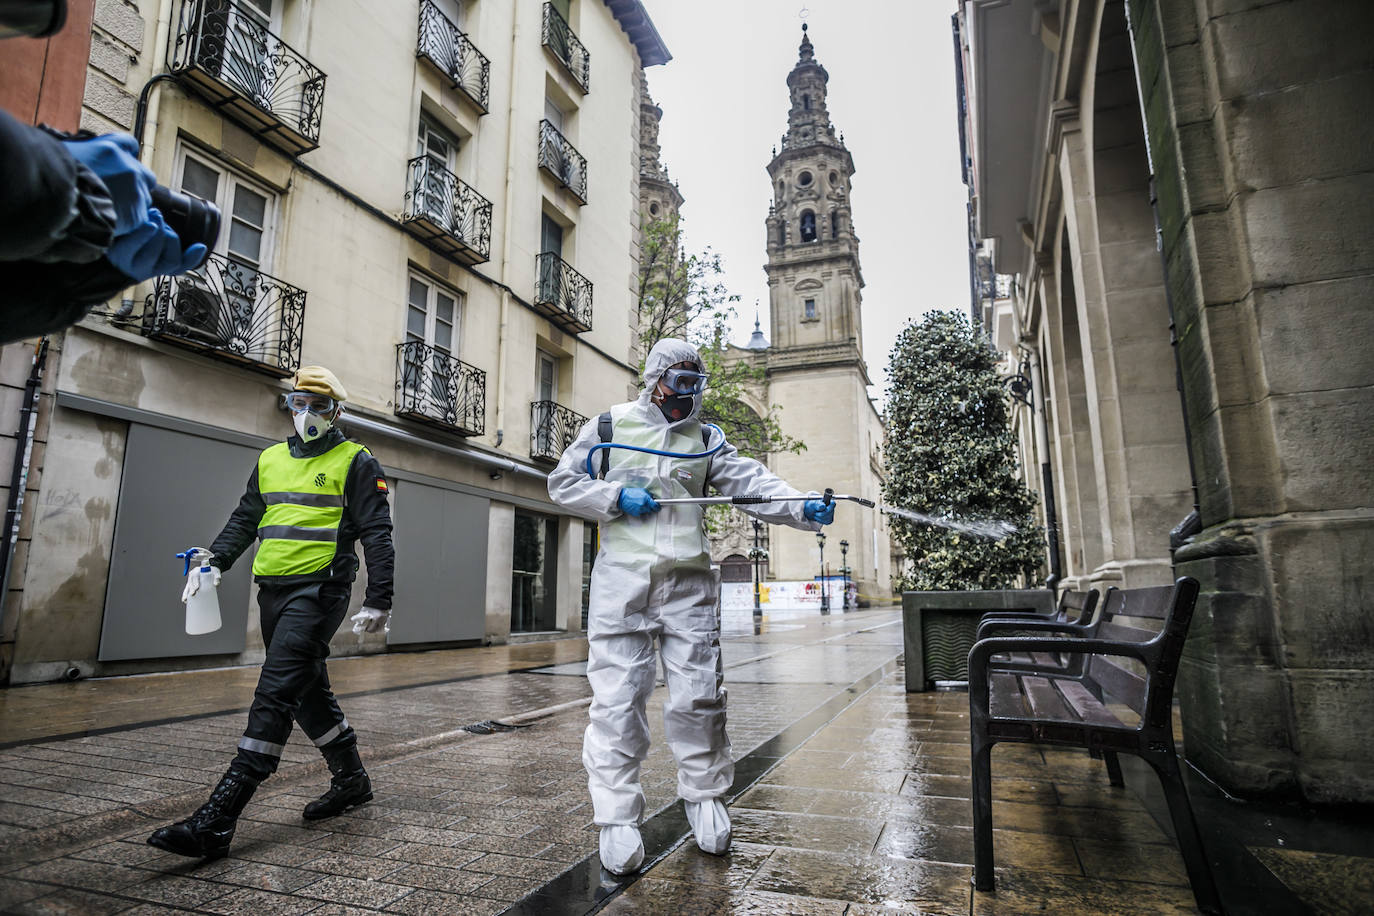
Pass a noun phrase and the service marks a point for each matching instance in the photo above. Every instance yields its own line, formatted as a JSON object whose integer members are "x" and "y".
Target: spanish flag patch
{"x": 381, "y": 485}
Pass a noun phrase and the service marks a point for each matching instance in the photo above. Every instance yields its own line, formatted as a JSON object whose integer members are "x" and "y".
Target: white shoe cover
{"x": 710, "y": 825}
{"x": 622, "y": 850}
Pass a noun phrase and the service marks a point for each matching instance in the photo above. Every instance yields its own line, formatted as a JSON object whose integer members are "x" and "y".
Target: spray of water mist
{"x": 995, "y": 530}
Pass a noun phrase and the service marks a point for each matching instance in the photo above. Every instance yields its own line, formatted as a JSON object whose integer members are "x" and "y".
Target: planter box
{"x": 939, "y": 628}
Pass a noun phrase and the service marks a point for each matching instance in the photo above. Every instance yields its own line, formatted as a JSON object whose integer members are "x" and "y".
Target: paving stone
{"x": 354, "y": 891}
{"x": 70, "y": 902}
{"x": 434, "y": 903}
{"x": 176, "y": 890}
{"x": 246, "y": 902}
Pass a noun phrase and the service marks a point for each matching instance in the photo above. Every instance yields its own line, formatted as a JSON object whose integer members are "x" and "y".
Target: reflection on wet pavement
{"x": 853, "y": 800}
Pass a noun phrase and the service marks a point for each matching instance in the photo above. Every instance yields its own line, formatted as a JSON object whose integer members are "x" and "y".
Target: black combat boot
{"x": 348, "y": 788}
{"x": 206, "y": 834}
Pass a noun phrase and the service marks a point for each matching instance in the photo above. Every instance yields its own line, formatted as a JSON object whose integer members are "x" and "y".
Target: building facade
{"x": 813, "y": 366}
{"x": 438, "y": 200}
{"x": 1171, "y": 242}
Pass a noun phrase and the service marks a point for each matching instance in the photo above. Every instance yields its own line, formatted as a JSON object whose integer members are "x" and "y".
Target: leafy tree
{"x": 681, "y": 295}
{"x": 950, "y": 453}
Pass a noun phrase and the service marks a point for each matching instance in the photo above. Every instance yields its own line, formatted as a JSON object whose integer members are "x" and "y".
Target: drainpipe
{"x": 19, "y": 473}
{"x": 502, "y": 328}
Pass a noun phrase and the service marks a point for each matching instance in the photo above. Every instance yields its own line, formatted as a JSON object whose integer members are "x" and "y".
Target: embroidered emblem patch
{"x": 684, "y": 474}
{"x": 381, "y": 485}
{"x": 320, "y": 479}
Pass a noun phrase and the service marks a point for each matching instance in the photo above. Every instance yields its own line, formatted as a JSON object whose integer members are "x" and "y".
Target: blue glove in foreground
{"x": 152, "y": 249}
{"x": 114, "y": 159}
{"x": 637, "y": 501}
{"x": 817, "y": 511}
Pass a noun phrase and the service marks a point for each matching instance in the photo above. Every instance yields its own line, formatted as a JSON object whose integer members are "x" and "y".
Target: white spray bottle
{"x": 200, "y": 596}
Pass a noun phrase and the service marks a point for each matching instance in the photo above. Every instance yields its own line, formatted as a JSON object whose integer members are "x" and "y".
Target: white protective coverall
{"x": 653, "y": 578}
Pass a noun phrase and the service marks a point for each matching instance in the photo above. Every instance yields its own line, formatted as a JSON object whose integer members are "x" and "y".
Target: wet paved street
{"x": 852, "y": 796}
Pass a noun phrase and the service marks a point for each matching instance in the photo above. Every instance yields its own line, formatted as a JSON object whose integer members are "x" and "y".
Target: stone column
{"x": 1259, "y": 117}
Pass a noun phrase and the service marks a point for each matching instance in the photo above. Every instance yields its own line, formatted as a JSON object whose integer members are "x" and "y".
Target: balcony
{"x": 444, "y": 211}
{"x": 553, "y": 428}
{"x": 564, "y": 45}
{"x": 561, "y": 160}
{"x": 435, "y": 388}
{"x": 561, "y": 294}
{"x": 443, "y": 45}
{"x": 223, "y": 51}
{"x": 230, "y": 311}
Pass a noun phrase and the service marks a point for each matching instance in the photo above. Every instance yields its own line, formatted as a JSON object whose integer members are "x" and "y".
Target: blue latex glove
{"x": 114, "y": 159}
{"x": 637, "y": 501}
{"x": 153, "y": 249}
{"x": 817, "y": 511}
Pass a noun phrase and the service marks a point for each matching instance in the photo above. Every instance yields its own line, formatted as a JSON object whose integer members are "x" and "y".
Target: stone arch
{"x": 806, "y": 225}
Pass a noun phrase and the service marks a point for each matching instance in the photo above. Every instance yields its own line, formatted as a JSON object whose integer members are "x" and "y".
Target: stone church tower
{"x": 815, "y": 370}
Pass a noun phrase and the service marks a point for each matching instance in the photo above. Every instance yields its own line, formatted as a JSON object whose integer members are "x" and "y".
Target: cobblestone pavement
{"x": 852, "y": 799}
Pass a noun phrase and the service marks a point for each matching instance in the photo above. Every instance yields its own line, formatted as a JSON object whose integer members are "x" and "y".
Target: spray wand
{"x": 757, "y": 500}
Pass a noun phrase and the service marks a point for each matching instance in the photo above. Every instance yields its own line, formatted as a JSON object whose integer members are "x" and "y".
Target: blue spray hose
{"x": 654, "y": 451}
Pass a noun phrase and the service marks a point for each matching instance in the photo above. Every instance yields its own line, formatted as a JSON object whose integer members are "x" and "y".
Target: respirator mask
{"x": 686, "y": 386}
{"x": 313, "y": 414}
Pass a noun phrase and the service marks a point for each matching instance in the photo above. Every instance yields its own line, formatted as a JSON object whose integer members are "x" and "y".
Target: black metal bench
{"x": 1076, "y": 615}
{"x": 1068, "y": 707}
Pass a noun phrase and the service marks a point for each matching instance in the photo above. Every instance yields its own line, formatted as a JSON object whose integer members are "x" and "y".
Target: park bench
{"x": 1074, "y": 616}
{"x": 1071, "y": 707}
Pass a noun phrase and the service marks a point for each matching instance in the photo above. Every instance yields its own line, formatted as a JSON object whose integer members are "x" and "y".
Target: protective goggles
{"x": 684, "y": 381}
{"x": 303, "y": 401}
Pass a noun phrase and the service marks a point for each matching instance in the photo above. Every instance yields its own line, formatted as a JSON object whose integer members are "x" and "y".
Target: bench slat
{"x": 1005, "y": 697}
{"x": 1045, "y": 702}
{"x": 1118, "y": 683}
{"x": 1022, "y": 658}
{"x": 1120, "y": 632}
{"x": 1150, "y": 602}
{"x": 1085, "y": 705}
{"x": 1046, "y": 659}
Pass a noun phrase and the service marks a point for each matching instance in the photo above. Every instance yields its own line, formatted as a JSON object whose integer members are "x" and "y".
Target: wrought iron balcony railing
{"x": 561, "y": 159}
{"x": 435, "y": 388}
{"x": 223, "y": 50}
{"x": 231, "y": 311}
{"x": 441, "y": 208}
{"x": 445, "y": 46}
{"x": 563, "y": 43}
{"x": 553, "y": 428}
{"x": 562, "y": 294}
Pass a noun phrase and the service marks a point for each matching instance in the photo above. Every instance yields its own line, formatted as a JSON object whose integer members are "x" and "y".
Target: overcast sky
{"x": 891, "y": 93}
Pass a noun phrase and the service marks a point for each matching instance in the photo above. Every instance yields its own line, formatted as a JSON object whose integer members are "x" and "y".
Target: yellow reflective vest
{"x": 299, "y": 530}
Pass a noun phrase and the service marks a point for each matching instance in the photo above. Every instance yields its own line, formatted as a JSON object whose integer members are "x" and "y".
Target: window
{"x": 250, "y": 211}
{"x": 782, "y": 232}
{"x": 806, "y": 102}
{"x": 534, "y": 574}
{"x": 546, "y": 394}
{"x": 809, "y": 309}
{"x": 435, "y": 192}
{"x": 808, "y": 226}
{"x": 550, "y": 271}
{"x": 248, "y": 63}
{"x": 553, "y": 114}
{"x": 804, "y": 179}
{"x": 834, "y": 224}
{"x": 431, "y": 318}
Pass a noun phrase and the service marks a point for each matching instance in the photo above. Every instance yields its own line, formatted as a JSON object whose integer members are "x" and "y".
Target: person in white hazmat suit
{"x": 653, "y": 579}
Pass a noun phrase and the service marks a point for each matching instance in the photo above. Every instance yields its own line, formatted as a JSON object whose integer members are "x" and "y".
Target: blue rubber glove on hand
{"x": 114, "y": 159}
{"x": 637, "y": 501}
{"x": 152, "y": 250}
{"x": 817, "y": 511}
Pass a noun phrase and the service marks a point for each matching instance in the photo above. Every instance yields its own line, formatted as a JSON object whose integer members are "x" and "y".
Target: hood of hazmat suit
{"x": 653, "y": 579}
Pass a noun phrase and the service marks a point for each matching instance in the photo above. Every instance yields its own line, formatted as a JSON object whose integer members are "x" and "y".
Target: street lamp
{"x": 756, "y": 554}
{"x": 825, "y": 594}
{"x": 844, "y": 570}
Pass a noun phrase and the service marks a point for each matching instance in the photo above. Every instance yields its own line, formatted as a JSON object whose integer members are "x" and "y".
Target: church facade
{"x": 813, "y": 365}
